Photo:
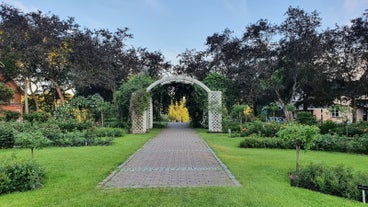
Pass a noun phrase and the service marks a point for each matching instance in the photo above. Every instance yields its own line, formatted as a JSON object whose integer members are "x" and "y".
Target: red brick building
{"x": 14, "y": 104}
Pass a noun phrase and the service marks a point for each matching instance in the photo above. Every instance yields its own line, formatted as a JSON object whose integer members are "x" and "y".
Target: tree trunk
{"x": 102, "y": 119}
{"x": 32, "y": 152}
{"x": 58, "y": 90}
{"x": 354, "y": 116}
{"x": 26, "y": 105}
{"x": 34, "y": 97}
{"x": 283, "y": 103}
{"x": 297, "y": 159}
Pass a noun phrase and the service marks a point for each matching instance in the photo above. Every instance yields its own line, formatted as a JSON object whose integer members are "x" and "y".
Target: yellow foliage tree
{"x": 247, "y": 112}
{"x": 178, "y": 111}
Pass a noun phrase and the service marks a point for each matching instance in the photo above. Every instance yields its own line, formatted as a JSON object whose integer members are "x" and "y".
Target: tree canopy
{"x": 293, "y": 64}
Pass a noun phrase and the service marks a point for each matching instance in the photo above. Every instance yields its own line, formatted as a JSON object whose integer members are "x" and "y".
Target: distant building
{"x": 14, "y": 104}
{"x": 324, "y": 114}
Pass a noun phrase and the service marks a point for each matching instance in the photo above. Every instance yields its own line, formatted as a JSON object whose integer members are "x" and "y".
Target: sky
{"x": 172, "y": 26}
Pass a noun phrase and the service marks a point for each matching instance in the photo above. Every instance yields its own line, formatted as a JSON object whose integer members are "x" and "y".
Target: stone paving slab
{"x": 177, "y": 157}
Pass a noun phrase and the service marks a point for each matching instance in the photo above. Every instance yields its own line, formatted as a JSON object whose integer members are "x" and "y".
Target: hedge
{"x": 339, "y": 181}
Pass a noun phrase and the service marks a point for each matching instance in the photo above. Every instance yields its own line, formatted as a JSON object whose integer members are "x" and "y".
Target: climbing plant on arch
{"x": 143, "y": 121}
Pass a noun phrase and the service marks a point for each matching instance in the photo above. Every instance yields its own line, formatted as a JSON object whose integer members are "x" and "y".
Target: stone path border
{"x": 176, "y": 157}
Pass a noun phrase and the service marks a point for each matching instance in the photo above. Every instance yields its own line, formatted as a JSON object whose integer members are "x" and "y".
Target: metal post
{"x": 363, "y": 195}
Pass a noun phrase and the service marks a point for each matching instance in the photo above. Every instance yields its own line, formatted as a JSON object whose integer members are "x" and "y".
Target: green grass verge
{"x": 73, "y": 174}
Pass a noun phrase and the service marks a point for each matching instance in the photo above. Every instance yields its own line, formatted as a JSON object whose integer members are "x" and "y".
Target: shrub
{"x": 107, "y": 132}
{"x": 7, "y": 138}
{"x": 78, "y": 138}
{"x": 263, "y": 129}
{"x": 305, "y": 117}
{"x": 102, "y": 141}
{"x": 22, "y": 126}
{"x": 338, "y": 181}
{"x": 37, "y": 116}
{"x": 258, "y": 142}
{"x": 328, "y": 127}
{"x": 11, "y": 115}
{"x": 75, "y": 138}
{"x": 336, "y": 143}
{"x": 52, "y": 132}
{"x": 18, "y": 175}
{"x": 69, "y": 125}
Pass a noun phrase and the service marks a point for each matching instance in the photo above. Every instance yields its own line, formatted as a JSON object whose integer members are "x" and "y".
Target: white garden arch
{"x": 141, "y": 124}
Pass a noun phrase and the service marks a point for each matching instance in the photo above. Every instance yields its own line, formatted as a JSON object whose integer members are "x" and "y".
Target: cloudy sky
{"x": 171, "y": 26}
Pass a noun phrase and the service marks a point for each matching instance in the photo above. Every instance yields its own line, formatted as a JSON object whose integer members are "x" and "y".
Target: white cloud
{"x": 21, "y": 6}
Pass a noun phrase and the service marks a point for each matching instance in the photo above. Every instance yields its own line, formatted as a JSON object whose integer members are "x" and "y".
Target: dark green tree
{"x": 123, "y": 95}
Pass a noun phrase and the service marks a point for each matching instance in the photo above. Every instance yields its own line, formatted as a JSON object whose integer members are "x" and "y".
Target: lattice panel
{"x": 150, "y": 115}
{"x": 137, "y": 124}
{"x": 215, "y": 111}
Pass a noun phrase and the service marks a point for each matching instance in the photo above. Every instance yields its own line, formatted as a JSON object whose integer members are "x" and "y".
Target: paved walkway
{"x": 177, "y": 157}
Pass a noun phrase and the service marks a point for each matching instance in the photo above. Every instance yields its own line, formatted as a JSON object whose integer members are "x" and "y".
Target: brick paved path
{"x": 177, "y": 157}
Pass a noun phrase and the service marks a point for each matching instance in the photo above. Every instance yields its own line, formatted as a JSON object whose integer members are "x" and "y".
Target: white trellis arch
{"x": 141, "y": 124}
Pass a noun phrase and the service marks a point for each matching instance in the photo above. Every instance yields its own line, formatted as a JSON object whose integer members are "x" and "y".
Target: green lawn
{"x": 73, "y": 174}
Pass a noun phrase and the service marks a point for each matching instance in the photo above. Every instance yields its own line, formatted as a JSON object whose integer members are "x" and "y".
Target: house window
{"x": 335, "y": 113}
{"x": 11, "y": 101}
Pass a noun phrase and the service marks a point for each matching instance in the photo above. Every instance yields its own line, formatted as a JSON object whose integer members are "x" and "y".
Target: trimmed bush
{"x": 7, "y": 138}
{"x": 267, "y": 142}
{"x": 338, "y": 181}
{"x": 327, "y": 142}
{"x": 16, "y": 175}
{"x": 107, "y": 132}
{"x": 335, "y": 143}
{"x": 75, "y": 138}
{"x": 330, "y": 127}
{"x": 263, "y": 129}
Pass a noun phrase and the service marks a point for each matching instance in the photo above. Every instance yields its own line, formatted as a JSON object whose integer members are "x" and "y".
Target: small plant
{"x": 301, "y": 135}
{"x": 32, "y": 140}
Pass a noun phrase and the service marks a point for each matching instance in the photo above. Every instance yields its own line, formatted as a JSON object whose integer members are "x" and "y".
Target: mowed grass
{"x": 74, "y": 173}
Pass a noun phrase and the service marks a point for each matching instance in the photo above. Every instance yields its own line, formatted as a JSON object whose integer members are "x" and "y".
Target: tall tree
{"x": 53, "y": 36}
{"x": 299, "y": 50}
{"x": 348, "y": 61}
{"x": 17, "y": 47}
{"x": 101, "y": 59}
{"x": 258, "y": 58}
{"x": 193, "y": 63}
{"x": 152, "y": 63}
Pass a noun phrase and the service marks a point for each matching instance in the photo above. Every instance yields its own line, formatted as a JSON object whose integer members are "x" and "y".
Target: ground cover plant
{"x": 73, "y": 174}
